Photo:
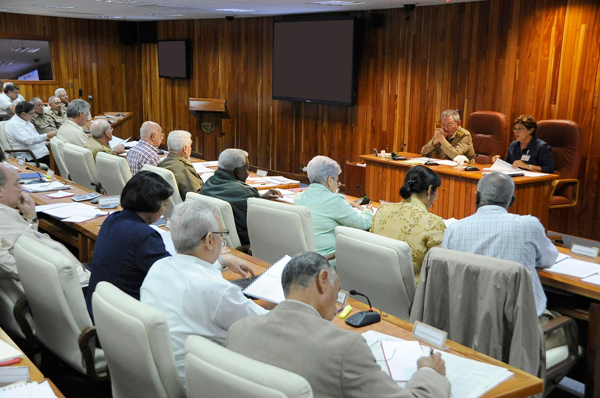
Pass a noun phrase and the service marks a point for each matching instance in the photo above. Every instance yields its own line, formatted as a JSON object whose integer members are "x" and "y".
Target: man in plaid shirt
{"x": 144, "y": 152}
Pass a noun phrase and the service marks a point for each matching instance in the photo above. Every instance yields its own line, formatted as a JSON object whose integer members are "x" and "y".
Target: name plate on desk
{"x": 584, "y": 250}
{"x": 430, "y": 335}
{"x": 109, "y": 202}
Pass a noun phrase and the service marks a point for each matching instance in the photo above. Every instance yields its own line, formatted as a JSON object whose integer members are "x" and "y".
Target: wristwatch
{"x": 222, "y": 262}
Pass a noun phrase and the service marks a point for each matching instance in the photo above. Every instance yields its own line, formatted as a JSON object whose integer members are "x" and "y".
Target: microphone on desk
{"x": 37, "y": 180}
{"x": 430, "y": 162}
{"x": 395, "y": 156}
{"x": 470, "y": 167}
{"x": 100, "y": 188}
{"x": 365, "y": 199}
{"x": 363, "y": 318}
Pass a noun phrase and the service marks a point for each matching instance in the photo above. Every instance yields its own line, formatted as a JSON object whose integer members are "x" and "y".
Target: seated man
{"x": 19, "y": 96}
{"x": 494, "y": 232}
{"x": 13, "y": 203}
{"x": 228, "y": 184}
{"x": 21, "y": 134}
{"x": 298, "y": 336}
{"x": 145, "y": 152}
{"x": 178, "y": 162}
{"x": 450, "y": 140}
{"x": 8, "y": 97}
{"x": 101, "y": 136}
{"x": 56, "y": 111}
{"x": 72, "y": 129}
{"x": 188, "y": 289}
{"x": 43, "y": 123}
{"x": 62, "y": 95}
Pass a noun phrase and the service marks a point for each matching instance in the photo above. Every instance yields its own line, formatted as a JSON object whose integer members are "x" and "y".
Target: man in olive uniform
{"x": 177, "y": 161}
{"x": 450, "y": 140}
{"x": 42, "y": 122}
{"x": 56, "y": 111}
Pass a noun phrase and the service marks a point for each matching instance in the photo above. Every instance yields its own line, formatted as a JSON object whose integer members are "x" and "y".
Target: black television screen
{"x": 313, "y": 61}
{"x": 173, "y": 59}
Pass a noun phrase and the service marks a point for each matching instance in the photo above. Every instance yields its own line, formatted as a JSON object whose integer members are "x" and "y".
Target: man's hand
{"x": 51, "y": 134}
{"x": 355, "y": 205}
{"x": 520, "y": 164}
{"x": 119, "y": 149}
{"x": 27, "y": 206}
{"x": 496, "y": 157}
{"x": 272, "y": 194}
{"x": 238, "y": 265}
{"x": 434, "y": 362}
{"x": 438, "y": 136}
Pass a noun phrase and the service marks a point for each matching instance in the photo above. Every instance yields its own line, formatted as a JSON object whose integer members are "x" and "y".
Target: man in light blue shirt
{"x": 494, "y": 232}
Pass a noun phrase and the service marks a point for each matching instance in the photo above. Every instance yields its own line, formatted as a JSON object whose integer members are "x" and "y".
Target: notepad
{"x": 268, "y": 285}
{"x": 577, "y": 268}
{"x": 401, "y": 358}
{"x": 45, "y": 186}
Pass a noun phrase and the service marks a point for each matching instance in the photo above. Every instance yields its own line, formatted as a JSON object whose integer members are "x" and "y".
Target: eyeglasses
{"x": 224, "y": 234}
{"x": 519, "y": 128}
{"x": 445, "y": 126}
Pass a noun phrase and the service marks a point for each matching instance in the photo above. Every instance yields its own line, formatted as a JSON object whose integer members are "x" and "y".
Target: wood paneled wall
{"x": 513, "y": 56}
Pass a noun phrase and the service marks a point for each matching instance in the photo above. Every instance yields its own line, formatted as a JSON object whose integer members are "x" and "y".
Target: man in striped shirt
{"x": 145, "y": 152}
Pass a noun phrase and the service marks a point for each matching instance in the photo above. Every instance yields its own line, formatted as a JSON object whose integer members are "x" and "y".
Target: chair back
{"x": 213, "y": 371}
{"x": 113, "y": 172}
{"x": 137, "y": 344}
{"x": 564, "y": 136}
{"x": 56, "y": 145}
{"x": 3, "y": 140}
{"x": 489, "y": 131}
{"x": 276, "y": 229}
{"x": 168, "y": 175}
{"x": 57, "y": 304}
{"x": 11, "y": 291}
{"x": 81, "y": 165}
{"x": 484, "y": 303}
{"x": 377, "y": 266}
{"x": 226, "y": 214}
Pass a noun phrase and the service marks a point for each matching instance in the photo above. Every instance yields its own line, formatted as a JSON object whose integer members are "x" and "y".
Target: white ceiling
{"x": 149, "y": 10}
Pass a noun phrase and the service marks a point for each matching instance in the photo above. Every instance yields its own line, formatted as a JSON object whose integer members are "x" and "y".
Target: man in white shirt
{"x": 21, "y": 134}
{"x": 188, "y": 288}
{"x": 71, "y": 130}
{"x": 10, "y": 96}
{"x": 19, "y": 96}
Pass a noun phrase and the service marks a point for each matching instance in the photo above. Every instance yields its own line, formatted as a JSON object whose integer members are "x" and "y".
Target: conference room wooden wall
{"x": 512, "y": 56}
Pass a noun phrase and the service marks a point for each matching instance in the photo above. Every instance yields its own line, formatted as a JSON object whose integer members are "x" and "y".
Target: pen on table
{"x": 430, "y": 351}
{"x": 340, "y": 310}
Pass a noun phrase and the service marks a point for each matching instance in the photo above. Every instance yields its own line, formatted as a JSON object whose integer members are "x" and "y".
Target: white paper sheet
{"x": 268, "y": 285}
{"x": 424, "y": 160}
{"x": 595, "y": 279}
{"x": 66, "y": 210}
{"x": 450, "y": 221}
{"x": 167, "y": 240}
{"x": 561, "y": 257}
{"x": 118, "y": 141}
{"x": 577, "y": 268}
{"x": 504, "y": 167}
{"x": 45, "y": 186}
{"x": 401, "y": 358}
{"x": 59, "y": 194}
{"x": 42, "y": 390}
{"x": 201, "y": 168}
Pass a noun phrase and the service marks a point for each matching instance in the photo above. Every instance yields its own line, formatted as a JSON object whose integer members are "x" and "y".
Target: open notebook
{"x": 268, "y": 285}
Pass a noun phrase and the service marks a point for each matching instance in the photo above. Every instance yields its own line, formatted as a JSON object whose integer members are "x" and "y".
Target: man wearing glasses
{"x": 43, "y": 123}
{"x": 450, "y": 140}
{"x": 56, "y": 111}
{"x": 188, "y": 288}
{"x": 72, "y": 129}
{"x": 21, "y": 134}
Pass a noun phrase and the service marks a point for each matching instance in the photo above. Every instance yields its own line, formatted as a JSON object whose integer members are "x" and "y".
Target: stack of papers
{"x": 288, "y": 195}
{"x": 201, "y": 168}
{"x": 503, "y": 167}
{"x": 401, "y": 358}
{"x": 45, "y": 186}
{"x": 211, "y": 163}
{"x": 59, "y": 194}
{"x": 42, "y": 390}
{"x": 71, "y": 212}
{"x": 117, "y": 141}
{"x": 424, "y": 160}
{"x": 268, "y": 285}
{"x": 577, "y": 268}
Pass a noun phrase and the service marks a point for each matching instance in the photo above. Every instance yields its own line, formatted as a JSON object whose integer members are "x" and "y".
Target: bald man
{"x": 145, "y": 152}
{"x": 101, "y": 135}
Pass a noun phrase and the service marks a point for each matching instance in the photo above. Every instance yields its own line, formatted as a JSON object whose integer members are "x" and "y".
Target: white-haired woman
{"x": 327, "y": 208}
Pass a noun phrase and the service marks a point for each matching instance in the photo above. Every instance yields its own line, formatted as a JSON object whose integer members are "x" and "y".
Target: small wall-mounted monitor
{"x": 173, "y": 59}
{"x": 313, "y": 61}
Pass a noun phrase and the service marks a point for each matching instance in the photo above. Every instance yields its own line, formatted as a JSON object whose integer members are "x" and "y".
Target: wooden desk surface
{"x": 114, "y": 121}
{"x": 35, "y": 373}
{"x": 522, "y": 385}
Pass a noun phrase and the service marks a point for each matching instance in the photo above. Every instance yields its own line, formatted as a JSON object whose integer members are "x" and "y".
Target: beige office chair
{"x": 377, "y": 266}
{"x": 137, "y": 344}
{"x": 56, "y": 146}
{"x": 276, "y": 229}
{"x": 175, "y": 199}
{"x": 8, "y": 149}
{"x": 14, "y": 320}
{"x": 63, "y": 324}
{"x": 487, "y": 304}
{"x": 81, "y": 165}
{"x": 213, "y": 371}
{"x": 113, "y": 172}
{"x": 226, "y": 214}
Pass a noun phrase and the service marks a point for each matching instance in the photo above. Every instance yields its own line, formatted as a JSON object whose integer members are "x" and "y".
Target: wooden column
{"x": 208, "y": 113}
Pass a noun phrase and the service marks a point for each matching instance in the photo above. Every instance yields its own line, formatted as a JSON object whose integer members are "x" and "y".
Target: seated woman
{"x": 127, "y": 246}
{"x": 529, "y": 152}
{"x": 410, "y": 219}
{"x": 327, "y": 208}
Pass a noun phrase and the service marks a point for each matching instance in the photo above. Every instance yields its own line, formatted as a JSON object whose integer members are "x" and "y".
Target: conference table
{"x": 34, "y": 372}
{"x": 384, "y": 177}
{"x": 521, "y": 385}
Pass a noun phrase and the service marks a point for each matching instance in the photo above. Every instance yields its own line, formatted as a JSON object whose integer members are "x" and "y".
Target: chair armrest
{"x": 556, "y": 184}
{"x": 20, "y": 310}
{"x": 87, "y": 342}
{"x": 570, "y": 329}
{"x": 37, "y": 163}
{"x": 330, "y": 256}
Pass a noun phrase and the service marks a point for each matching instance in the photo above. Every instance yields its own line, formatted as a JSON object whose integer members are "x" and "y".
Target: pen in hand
{"x": 430, "y": 351}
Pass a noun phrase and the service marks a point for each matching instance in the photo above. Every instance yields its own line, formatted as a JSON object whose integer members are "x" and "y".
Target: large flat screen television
{"x": 313, "y": 61}
{"x": 173, "y": 59}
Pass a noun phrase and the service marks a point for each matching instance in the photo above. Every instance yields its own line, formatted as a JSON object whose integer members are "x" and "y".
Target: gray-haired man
{"x": 72, "y": 129}
{"x": 450, "y": 140}
{"x": 101, "y": 135}
{"x": 298, "y": 336}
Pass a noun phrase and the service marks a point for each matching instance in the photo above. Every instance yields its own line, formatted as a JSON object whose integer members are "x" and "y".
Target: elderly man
{"x": 19, "y": 96}
{"x": 72, "y": 129}
{"x": 450, "y": 140}
{"x": 61, "y": 93}
{"x": 18, "y": 217}
{"x": 298, "y": 336}
{"x": 228, "y": 184}
{"x": 145, "y": 152}
{"x": 177, "y": 161}
{"x": 494, "y": 232}
{"x": 9, "y": 97}
{"x": 101, "y": 136}
{"x": 21, "y": 134}
{"x": 188, "y": 289}
{"x": 43, "y": 123}
{"x": 56, "y": 111}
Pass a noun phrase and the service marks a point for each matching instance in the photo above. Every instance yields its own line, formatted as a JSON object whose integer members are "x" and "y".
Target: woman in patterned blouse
{"x": 410, "y": 219}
